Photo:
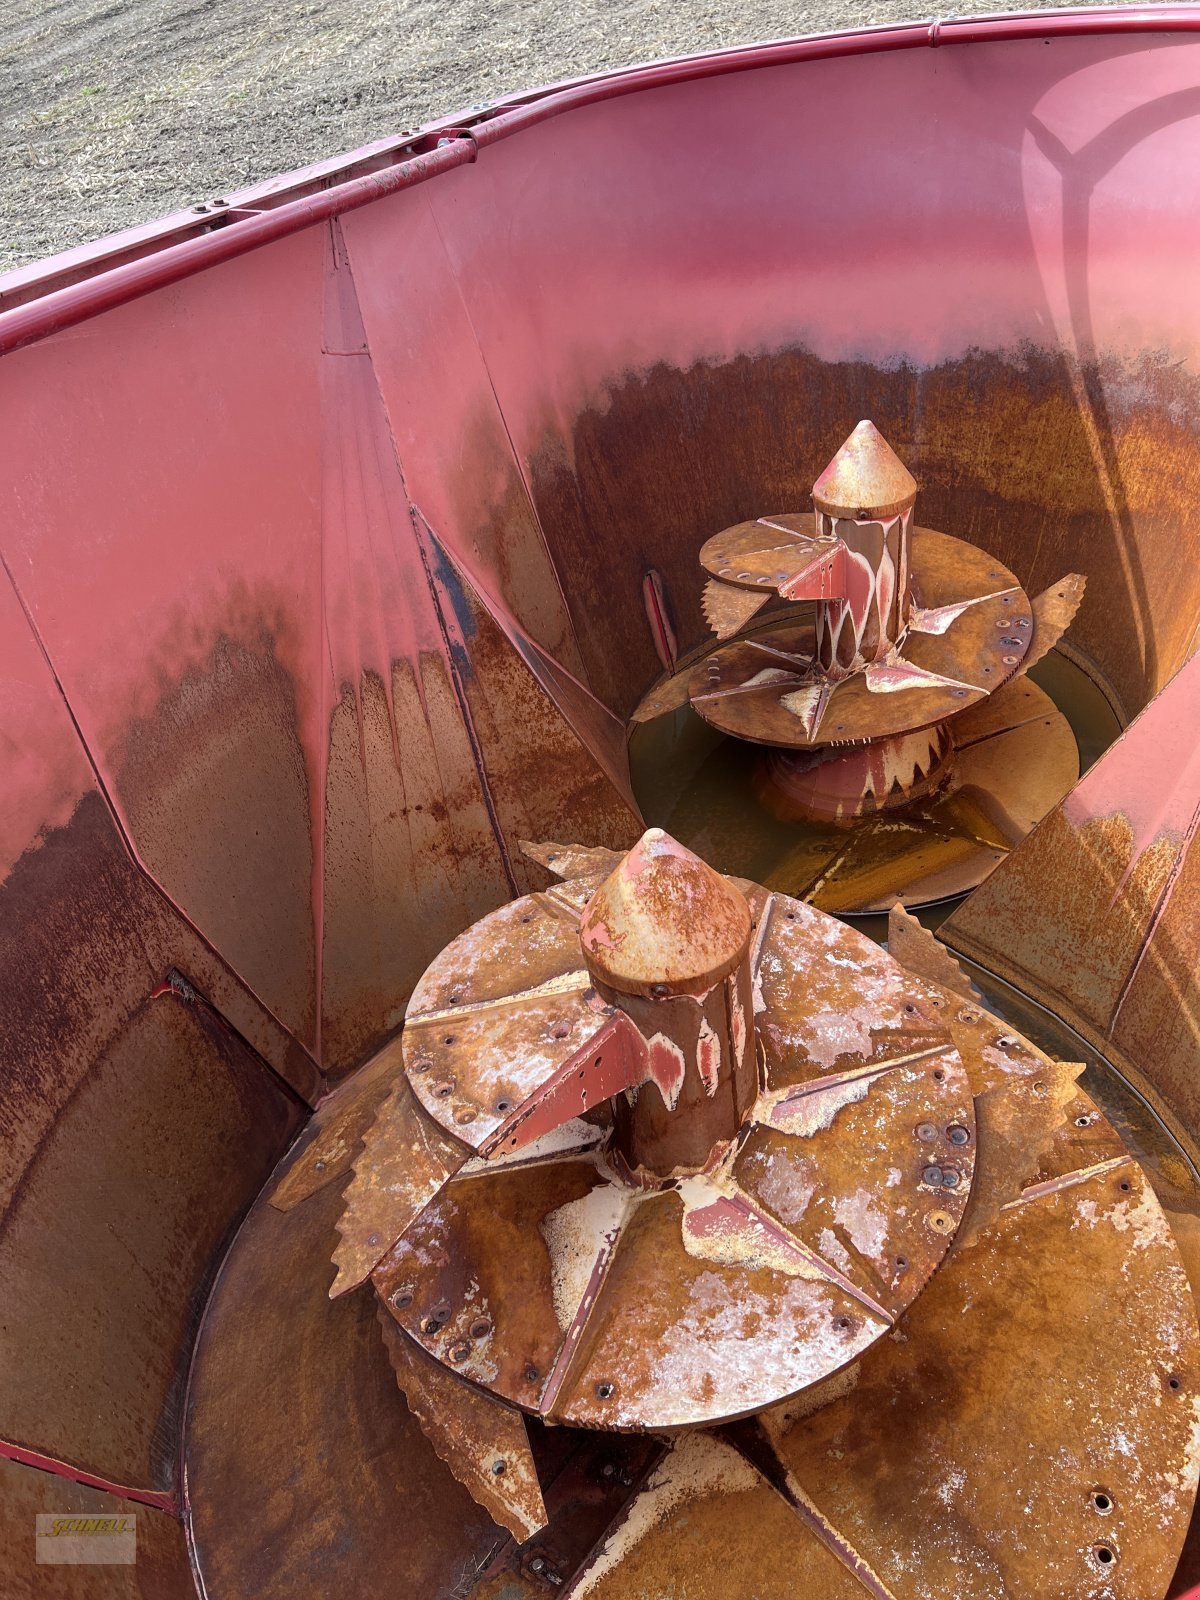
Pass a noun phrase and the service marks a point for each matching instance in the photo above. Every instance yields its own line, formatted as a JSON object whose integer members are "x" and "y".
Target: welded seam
{"x": 584, "y": 1154}
{"x": 832, "y": 1275}
{"x": 752, "y": 1442}
{"x": 998, "y": 733}
{"x": 460, "y": 694}
{"x": 417, "y": 521}
{"x": 1069, "y": 1180}
{"x": 759, "y": 947}
{"x": 563, "y": 987}
{"x": 572, "y": 1343}
{"x": 870, "y": 1069}
{"x": 558, "y": 905}
{"x": 734, "y": 691}
{"x": 516, "y": 458}
{"x": 802, "y": 663}
{"x": 141, "y": 868}
{"x": 794, "y": 534}
{"x": 1164, "y": 898}
{"x": 836, "y": 1543}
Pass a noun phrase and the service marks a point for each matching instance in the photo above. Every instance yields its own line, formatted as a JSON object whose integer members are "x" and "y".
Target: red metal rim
{"x": 453, "y": 141}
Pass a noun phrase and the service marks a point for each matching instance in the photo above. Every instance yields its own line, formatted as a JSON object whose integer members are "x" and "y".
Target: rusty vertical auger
{"x": 669, "y": 1150}
{"x": 892, "y": 693}
{"x": 667, "y": 942}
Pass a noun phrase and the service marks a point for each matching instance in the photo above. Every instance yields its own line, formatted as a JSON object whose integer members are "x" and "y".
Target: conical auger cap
{"x": 865, "y": 480}
{"x": 664, "y": 923}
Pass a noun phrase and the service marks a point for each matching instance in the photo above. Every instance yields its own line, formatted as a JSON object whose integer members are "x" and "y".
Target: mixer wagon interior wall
{"x": 326, "y": 586}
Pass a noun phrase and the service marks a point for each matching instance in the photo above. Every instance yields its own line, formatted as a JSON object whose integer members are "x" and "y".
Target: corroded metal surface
{"x": 862, "y": 780}
{"x": 481, "y": 1440}
{"x": 707, "y": 1520}
{"x": 591, "y": 1478}
{"x": 132, "y": 1194}
{"x": 859, "y": 706}
{"x": 160, "y": 1572}
{"x": 235, "y": 675}
{"x": 915, "y": 948}
{"x": 862, "y": 1521}
{"x": 331, "y": 1140}
{"x": 1095, "y": 915}
{"x": 663, "y": 922}
{"x": 563, "y": 1275}
{"x": 292, "y": 1394}
{"x": 727, "y": 609}
{"x": 881, "y": 1178}
{"x": 680, "y": 1335}
{"x": 866, "y": 480}
{"x": 1054, "y": 1426}
{"x": 768, "y": 555}
{"x": 476, "y": 1259}
{"x": 1017, "y": 758}
{"x": 1053, "y": 613}
{"x": 405, "y": 1160}
{"x": 765, "y": 691}
{"x": 148, "y": 1093}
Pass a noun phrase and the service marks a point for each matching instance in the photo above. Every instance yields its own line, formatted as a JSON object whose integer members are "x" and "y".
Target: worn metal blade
{"x": 568, "y": 861}
{"x": 917, "y": 949}
{"x": 336, "y": 1131}
{"x": 483, "y": 1441}
{"x": 669, "y": 695}
{"x": 406, "y": 1158}
{"x": 728, "y": 609}
{"x": 1018, "y": 1120}
{"x": 1053, "y": 613}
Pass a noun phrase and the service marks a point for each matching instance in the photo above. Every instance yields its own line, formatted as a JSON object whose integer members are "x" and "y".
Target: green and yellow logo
{"x": 85, "y": 1541}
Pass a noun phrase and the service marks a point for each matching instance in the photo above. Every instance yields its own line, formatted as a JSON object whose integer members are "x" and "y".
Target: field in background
{"x": 115, "y": 111}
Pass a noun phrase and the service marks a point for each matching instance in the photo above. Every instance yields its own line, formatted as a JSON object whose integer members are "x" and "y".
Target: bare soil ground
{"x": 115, "y": 111}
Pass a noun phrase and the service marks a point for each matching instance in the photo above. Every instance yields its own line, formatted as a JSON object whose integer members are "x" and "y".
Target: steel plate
{"x": 571, "y": 1293}
{"x": 974, "y": 652}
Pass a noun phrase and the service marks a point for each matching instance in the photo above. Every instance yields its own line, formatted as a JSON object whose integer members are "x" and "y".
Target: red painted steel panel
{"x": 136, "y": 1125}
{"x": 446, "y": 424}
{"x": 669, "y": 229}
{"x": 166, "y": 540}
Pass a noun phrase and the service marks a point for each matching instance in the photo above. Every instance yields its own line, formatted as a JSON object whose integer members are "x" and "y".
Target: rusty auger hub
{"x": 896, "y": 684}
{"x": 668, "y": 1150}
